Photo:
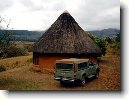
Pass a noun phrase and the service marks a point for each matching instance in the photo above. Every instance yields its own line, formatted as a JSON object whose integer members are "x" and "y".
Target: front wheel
{"x": 97, "y": 75}
{"x": 62, "y": 83}
{"x": 83, "y": 81}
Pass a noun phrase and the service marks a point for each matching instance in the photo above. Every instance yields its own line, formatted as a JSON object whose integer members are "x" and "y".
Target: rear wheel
{"x": 83, "y": 81}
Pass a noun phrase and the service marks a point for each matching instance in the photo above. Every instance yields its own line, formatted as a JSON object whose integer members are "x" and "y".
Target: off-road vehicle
{"x": 73, "y": 69}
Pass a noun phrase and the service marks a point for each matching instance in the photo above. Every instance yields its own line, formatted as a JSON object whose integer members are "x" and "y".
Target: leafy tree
{"x": 117, "y": 41}
{"x": 6, "y": 37}
{"x": 100, "y": 42}
{"x": 7, "y": 45}
{"x": 108, "y": 40}
{"x": 13, "y": 51}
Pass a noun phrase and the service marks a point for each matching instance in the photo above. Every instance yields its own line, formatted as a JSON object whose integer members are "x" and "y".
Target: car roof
{"x": 72, "y": 60}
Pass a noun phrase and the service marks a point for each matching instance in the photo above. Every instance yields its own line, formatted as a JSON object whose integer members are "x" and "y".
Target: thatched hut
{"x": 64, "y": 39}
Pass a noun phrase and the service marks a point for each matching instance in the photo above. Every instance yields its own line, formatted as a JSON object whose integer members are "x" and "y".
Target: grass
{"x": 18, "y": 84}
{"x": 110, "y": 68}
{"x": 2, "y": 68}
{"x": 20, "y": 76}
{"x": 15, "y": 62}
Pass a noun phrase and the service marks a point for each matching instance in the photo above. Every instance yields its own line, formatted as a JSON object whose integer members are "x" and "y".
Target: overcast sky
{"x": 40, "y": 14}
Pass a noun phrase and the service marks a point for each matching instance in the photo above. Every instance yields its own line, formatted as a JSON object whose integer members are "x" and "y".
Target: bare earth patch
{"x": 24, "y": 78}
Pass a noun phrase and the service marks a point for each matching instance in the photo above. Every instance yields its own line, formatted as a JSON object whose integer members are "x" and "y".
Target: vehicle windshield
{"x": 64, "y": 66}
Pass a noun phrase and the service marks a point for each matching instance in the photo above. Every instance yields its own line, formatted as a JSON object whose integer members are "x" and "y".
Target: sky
{"x": 41, "y": 14}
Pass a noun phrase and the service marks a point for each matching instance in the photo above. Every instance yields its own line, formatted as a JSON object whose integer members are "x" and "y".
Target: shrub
{"x": 28, "y": 48}
{"x": 117, "y": 42}
{"x": 2, "y": 68}
{"x": 30, "y": 60}
{"x": 100, "y": 42}
{"x": 13, "y": 51}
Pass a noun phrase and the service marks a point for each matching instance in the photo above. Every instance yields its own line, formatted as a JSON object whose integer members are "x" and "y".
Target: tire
{"x": 62, "y": 83}
{"x": 97, "y": 74}
{"x": 83, "y": 81}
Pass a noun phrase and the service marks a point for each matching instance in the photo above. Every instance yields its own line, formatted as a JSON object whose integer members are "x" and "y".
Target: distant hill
{"x": 105, "y": 32}
{"x": 32, "y": 36}
{"x": 25, "y": 35}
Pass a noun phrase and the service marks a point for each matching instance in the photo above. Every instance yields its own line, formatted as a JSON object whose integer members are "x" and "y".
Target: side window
{"x": 82, "y": 65}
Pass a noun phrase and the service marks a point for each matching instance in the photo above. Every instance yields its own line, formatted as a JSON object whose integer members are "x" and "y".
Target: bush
{"x": 30, "y": 60}
{"x": 28, "y": 48}
{"x": 13, "y": 51}
{"x": 2, "y": 68}
{"x": 117, "y": 42}
{"x": 100, "y": 42}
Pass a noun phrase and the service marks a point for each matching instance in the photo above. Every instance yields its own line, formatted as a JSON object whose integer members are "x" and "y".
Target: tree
{"x": 7, "y": 46}
{"x": 108, "y": 40}
{"x": 100, "y": 42}
{"x": 5, "y": 37}
{"x": 117, "y": 41}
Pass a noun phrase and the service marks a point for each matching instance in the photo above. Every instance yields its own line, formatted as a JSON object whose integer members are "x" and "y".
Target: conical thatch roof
{"x": 66, "y": 36}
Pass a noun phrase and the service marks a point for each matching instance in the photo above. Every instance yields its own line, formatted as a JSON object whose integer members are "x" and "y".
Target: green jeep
{"x": 70, "y": 70}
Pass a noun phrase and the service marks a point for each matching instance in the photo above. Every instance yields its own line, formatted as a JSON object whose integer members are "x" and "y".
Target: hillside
{"x": 105, "y": 32}
{"x": 25, "y": 35}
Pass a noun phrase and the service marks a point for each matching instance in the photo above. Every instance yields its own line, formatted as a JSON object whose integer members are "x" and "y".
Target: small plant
{"x": 16, "y": 64}
{"x": 2, "y": 68}
{"x": 30, "y": 60}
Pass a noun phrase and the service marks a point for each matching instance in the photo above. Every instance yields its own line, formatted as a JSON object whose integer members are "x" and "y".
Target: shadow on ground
{"x": 76, "y": 84}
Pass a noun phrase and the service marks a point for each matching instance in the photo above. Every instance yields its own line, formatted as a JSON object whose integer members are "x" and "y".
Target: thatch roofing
{"x": 66, "y": 36}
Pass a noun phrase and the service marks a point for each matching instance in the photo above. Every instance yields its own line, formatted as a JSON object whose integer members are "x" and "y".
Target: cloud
{"x": 42, "y": 5}
{"x": 31, "y": 5}
{"x": 5, "y": 4}
{"x": 98, "y": 14}
{"x": 40, "y": 14}
{"x": 59, "y": 6}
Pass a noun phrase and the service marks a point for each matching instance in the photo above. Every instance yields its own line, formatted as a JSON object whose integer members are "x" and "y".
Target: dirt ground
{"x": 24, "y": 78}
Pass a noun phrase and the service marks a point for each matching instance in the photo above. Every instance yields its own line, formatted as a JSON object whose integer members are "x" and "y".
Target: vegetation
{"x": 13, "y": 51}
{"x": 117, "y": 42}
{"x": 24, "y": 35}
{"x": 19, "y": 75}
{"x": 110, "y": 32}
{"x": 108, "y": 40}
{"x": 16, "y": 72}
{"x": 104, "y": 42}
{"x": 100, "y": 42}
{"x": 7, "y": 45}
{"x": 2, "y": 68}
{"x": 16, "y": 62}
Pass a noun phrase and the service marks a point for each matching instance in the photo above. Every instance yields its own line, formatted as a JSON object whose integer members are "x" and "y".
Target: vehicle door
{"x": 81, "y": 69}
{"x": 91, "y": 68}
{"x": 87, "y": 70}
